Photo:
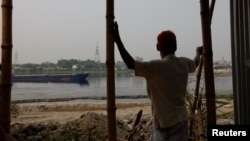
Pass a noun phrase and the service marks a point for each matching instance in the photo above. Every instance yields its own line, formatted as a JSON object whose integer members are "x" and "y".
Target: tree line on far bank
{"x": 65, "y": 66}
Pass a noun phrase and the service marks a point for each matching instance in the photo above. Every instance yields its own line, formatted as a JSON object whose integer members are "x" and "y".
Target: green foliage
{"x": 66, "y": 66}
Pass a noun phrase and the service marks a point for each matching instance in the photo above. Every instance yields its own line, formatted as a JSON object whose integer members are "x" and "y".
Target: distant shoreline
{"x": 128, "y": 98}
{"x": 97, "y": 98}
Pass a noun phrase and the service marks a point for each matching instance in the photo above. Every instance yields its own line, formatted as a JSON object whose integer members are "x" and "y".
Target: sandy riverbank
{"x": 86, "y": 119}
{"x": 64, "y": 112}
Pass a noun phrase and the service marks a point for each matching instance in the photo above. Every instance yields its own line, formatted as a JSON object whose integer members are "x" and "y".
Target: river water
{"x": 96, "y": 87}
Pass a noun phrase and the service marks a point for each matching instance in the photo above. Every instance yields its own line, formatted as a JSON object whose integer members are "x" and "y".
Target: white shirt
{"x": 167, "y": 86}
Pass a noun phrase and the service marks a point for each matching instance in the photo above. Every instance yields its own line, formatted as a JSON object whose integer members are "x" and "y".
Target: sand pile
{"x": 77, "y": 121}
{"x": 83, "y": 120}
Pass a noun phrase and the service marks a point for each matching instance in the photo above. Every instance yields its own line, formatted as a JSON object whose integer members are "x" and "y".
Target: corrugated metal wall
{"x": 240, "y": 22}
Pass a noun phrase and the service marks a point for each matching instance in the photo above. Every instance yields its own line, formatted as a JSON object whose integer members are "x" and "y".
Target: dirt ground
{"x": 87, "y": 120}
{"x": 64, "y": 112}
{"x": 82, "y": 120}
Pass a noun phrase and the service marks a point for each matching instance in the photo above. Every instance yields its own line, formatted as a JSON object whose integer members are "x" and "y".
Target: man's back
{"x": 166, "y": 82}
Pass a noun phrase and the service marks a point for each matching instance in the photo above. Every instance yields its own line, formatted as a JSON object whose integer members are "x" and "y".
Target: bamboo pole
{"x": 200, "y": 119}
{"x": 196, "y": 95}
{"x": 5, "y": 82}
{"x": 198, "y": 77}
{"x": 208, "y": 62}
{"x": 211, "y": 10}
{"x": 111, "y": 108}
{"x": 197, "y": 86}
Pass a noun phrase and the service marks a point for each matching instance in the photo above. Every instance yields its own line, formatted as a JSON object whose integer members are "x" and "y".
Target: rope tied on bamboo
{"x": 5, "y": 85}
{"x": 6, "y": 46}
{"x": 108, "y": 63}
{"x": 6, "y": 6}
{"x": 111, "y": 109}
{"x": 110, "y": 16}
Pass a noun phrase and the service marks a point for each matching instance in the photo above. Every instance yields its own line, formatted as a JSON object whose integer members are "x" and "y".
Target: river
{"x": 96, "y": 87}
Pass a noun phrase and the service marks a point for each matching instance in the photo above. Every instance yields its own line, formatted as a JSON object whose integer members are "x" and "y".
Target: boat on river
{"x": 58, "y": 78}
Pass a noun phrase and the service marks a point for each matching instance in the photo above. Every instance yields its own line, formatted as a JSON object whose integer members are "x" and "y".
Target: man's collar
{"x": 171, "y": 55}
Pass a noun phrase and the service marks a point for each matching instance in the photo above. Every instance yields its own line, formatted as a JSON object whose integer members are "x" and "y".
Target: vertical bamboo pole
{"x": 196, "y": 96}
{"x": 111, "y": 109}
{"x": 198, "y": 78}
{"x": 5, "y": 82}
{"x": 208, "y": 62}
{"x": 211, "y": 10}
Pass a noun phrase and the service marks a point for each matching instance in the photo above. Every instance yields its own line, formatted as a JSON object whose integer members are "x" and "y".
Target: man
{"x": 166, "y": 85}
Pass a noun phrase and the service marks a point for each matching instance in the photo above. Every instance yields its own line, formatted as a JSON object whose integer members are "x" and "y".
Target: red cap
{"x": 167, "y": 40}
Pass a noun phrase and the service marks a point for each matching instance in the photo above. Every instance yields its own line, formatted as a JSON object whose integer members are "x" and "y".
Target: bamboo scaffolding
{"x": 5, "y": 82}
{"x": 208, "y": 62}
{"x": 111, "y": 108}
{"x": 198, "y": 77}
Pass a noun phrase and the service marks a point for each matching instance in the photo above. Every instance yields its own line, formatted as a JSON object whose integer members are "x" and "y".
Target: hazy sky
{"x": 49, "y": 30}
